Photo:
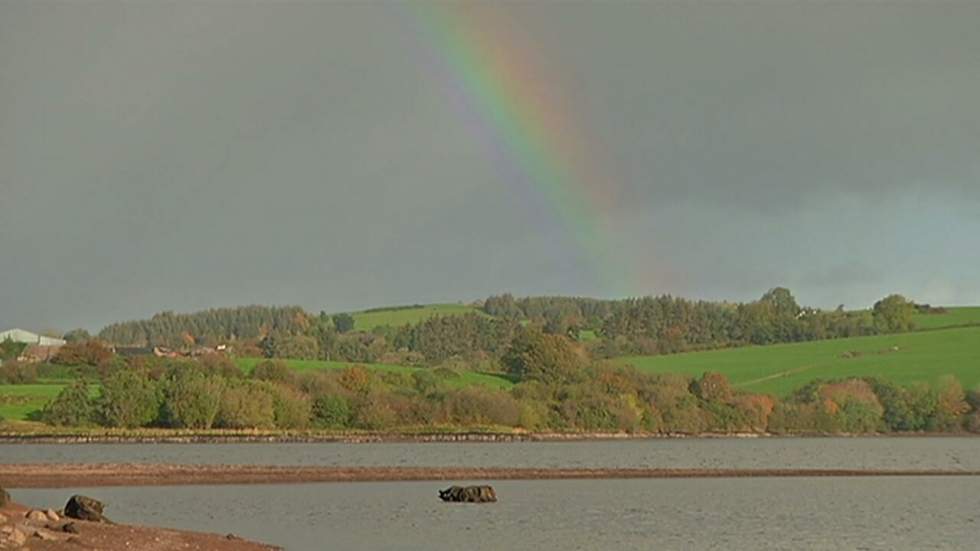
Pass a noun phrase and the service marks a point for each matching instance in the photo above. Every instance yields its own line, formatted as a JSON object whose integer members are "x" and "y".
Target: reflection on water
{"x": 774, "y": 513}
{"x": 803, "y": 453}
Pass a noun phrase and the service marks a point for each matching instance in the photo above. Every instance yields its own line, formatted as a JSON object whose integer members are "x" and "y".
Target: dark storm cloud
{"x": 187, "y": 155}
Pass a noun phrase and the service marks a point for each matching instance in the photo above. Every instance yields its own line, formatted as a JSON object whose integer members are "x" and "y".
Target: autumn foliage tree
{"x": 92, "y": 353}
{"x": 534, "y": 355}
{"x": 893, "y": 314}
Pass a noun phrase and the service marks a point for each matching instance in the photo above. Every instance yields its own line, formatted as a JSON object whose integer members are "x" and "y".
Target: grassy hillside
{"x": 17, "y": 402}
{"x": 778, "y": 369}
{"x": 953, "y": 317}
{"x": 466, "y": 378}
{"x": 395, "y": 317}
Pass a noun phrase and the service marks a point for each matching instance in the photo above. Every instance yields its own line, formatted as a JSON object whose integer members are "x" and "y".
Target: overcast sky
{"x": 185, "y": 155}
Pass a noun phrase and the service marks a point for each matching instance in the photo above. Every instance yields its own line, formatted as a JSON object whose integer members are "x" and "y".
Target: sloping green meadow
{"x": 396, "y": 317}
{"x": 465, "y": 378}
{"x": 18, "y": 402}
{"x": 953, "y": 317}
{"x": 778, "y": 369}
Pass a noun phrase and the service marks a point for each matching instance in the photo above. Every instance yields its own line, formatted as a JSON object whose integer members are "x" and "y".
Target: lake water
{"x": 735, "y": 453}
{"x": 772, "y": 513}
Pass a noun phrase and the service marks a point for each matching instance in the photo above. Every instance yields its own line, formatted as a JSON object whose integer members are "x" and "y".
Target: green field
{"x": 953, "y": 317}
{"x": 396, "y": 317}
{"x": 466, "y": 378}
{"x": 779, "y": 369}
{"x": 17, "y": 402}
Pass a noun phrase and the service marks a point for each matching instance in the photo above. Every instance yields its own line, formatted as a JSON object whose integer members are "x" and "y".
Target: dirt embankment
{"x": 17, "y": 531}
{"x": 87, "y": 475}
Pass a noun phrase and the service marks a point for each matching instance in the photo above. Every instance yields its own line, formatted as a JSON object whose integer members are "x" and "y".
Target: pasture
{"x": 20, "y": 402}
{"x": 398, "y": 316}
{"x": 958, "y": 316}
{"x": 17, "y": 402}
{"x": 904, "y": 358}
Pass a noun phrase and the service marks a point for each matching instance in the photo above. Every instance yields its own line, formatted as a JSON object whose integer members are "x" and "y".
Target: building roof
{"x": 19, "y": 335}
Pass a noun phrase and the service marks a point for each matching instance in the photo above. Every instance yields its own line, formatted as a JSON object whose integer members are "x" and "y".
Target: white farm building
{"x": 26, "y": 337}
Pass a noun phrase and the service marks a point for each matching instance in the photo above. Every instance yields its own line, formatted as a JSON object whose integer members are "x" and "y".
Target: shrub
{"x": 897, "y": 415}
{"x": 274, "y": 371}
{"x": 670, "y": 406}
{"x": 547, "y": 358}
{"x": 300, "y": 347}
{"x": 71, "y": 408}
{"x": 755, "y": 410}
{"x": 532, "y": 416}
{"x": 291, "y": 408}
{"x": 425, "y": 382}
{"x": 480, "y": 406}
{"x": 446, "y": 373}
{"x": 712, "y": 387}
{"x": 951, "y": 404}
{"x": 191, "y": 398}
{"x": 17, "y": 373}
{"x": 246, "y": 404}
{"x": 129, "y": 399}
{"x": 331, "y": 411}
{"x": 220, "y": 364}
{"x": 372, "y": 411}
{"x": 318, "y": 382}
{"x": 92, "y": 353}
{"x": 356, "y": 379}
{"x": 398, "y": 379}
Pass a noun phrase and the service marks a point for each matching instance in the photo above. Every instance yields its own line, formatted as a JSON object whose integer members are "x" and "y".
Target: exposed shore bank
{"x": 217, "y": 437}
{"x": 108, "y": 474}
{"x": 17, "y": 531}
{"x": 285, "y": 437}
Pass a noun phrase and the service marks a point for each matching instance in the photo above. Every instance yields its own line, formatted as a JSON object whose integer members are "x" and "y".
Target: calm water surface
{"x": 749, "y": 453}
{"x": 774, "y": 513}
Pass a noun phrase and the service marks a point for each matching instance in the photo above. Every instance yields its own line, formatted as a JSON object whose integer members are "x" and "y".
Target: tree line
{"x": 649, "y": 325}
{"x": 558, "y": 388}
{"x": 209, "y": 327}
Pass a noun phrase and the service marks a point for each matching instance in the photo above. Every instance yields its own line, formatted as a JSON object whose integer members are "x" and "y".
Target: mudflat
{"x": 131, "y": 474}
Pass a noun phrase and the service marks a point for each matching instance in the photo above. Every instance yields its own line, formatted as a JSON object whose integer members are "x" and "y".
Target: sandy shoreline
{"x": 254, "y": 437}
{"x": 46, "y": 535}
{"x": 236, "y": 437}
{"x": 114, "y": 474}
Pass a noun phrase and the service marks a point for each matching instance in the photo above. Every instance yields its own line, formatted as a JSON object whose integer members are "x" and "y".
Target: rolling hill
{"x": 905, "y": 358}
{"x": 397, "y": 316}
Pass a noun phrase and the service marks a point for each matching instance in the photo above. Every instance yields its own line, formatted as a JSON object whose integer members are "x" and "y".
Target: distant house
{"x": 38, "y": 353}
{"x": 133, "y": 351}
{"x": 26, "y": 337}
{"x": 137, "y": 351}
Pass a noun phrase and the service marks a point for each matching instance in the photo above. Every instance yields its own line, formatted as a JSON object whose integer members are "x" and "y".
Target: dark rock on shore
{"x": 4, "y": 498}
{"x": 85, "y": 508}
{"x": 70, "y": 528}
{"x": 468, "y": 494}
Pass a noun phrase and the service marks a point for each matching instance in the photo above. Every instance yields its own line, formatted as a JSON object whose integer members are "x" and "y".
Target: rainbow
{"x": 521, "y": 111}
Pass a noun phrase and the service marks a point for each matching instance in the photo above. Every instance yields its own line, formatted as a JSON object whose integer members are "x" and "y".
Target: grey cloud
{"x": 186, "y": 155}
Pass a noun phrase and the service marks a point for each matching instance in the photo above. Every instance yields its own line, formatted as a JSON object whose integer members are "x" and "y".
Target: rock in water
{"x": 85, "y": 508}
{"x": 468, "y": 494}
{"x": 4, "y": 497}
